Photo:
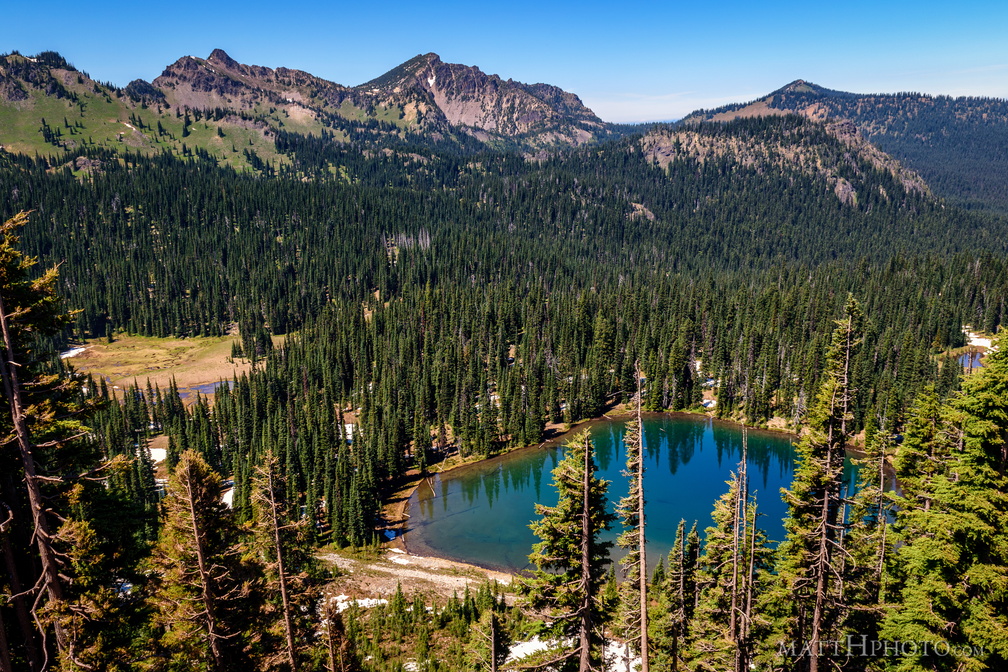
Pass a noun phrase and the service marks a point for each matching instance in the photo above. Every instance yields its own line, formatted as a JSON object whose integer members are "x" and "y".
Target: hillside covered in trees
{"x": 458, "y": 297}
{"x": 957, "y": 144}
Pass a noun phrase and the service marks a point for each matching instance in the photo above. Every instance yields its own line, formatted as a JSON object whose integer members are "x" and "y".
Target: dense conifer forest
{"x": 460, "y": 300}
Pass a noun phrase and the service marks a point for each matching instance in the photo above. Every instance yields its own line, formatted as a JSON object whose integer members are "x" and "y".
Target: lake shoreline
{"x": 396, "y": 509}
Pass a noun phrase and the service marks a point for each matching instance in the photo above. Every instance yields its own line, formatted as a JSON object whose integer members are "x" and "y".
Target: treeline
{"x": 161, "y": 246}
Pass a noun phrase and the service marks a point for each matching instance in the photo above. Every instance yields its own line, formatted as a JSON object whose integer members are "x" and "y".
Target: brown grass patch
{"x": 191, "y": 361}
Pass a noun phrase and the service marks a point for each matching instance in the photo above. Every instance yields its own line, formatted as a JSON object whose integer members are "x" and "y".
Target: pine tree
{"x": 57, "y": 567}
{"x": 283, "y": 550}
{"x": 204, "y": 591}
{"x": 339, "y": 650}
{"x": 571, "y": 559}
{"x": 730, "y": 579}
{"x": 808, "y": 586}
{"x": 951, "y": 565}
{"x": 634, "y": 602}
{"x": 676, "y": 590}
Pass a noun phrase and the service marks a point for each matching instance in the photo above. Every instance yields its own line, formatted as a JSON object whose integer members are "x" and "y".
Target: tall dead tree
{"x": 271, "y": 514}
{"x": 810, "y": 567}
{"x": 49, "y": 587}
{"x": 631, "y": 511}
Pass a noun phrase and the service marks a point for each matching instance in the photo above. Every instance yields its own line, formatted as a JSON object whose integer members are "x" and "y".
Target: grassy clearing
{"x": 191, "y": 361}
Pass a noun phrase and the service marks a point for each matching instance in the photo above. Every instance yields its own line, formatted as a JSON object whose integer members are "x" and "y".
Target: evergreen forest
{"x": 457, "y": 300}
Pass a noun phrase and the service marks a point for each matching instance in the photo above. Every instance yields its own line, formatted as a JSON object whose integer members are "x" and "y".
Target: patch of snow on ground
{"x": 615, "y": 653}
{"x": 72, "y": 352}
{"x": 227, "y": 497}
{"x": 526, "y": 649}
{"x": 343, "y": 602}
{"x": 159, "y": 455}
{"x": 616, "y": 658}
{"x": 398, "y": 556}
{"x": 979, "y": 341}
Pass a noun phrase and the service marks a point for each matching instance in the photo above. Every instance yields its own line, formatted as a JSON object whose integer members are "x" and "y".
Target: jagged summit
{"x": 486, "y": 104}
{"x": 402, "y": 73}
{"x": 219, "y": 56}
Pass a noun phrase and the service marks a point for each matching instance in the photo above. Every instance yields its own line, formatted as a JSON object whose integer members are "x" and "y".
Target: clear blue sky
{"x": 632, "y": 62}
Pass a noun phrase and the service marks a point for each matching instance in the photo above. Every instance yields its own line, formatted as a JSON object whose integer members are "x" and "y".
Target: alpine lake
{"x": 480, "y": 514}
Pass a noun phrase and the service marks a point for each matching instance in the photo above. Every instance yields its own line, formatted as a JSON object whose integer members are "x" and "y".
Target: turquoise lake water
{"x": 480, "y": 514}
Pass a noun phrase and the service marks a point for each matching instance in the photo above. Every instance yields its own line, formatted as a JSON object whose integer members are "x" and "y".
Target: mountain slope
{"x": 488, "y": 106}
{"x": 959, "y": 145}
{"x": 833, "y": 151}
{"x": 232, "y": 110}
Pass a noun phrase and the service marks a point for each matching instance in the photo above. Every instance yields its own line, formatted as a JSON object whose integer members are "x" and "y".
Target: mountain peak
{"x": 221, "y": 57}
{"x": 801, "y": 86}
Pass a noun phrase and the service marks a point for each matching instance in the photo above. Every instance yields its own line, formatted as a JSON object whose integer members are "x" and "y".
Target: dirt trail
{"x": 377, "y": 577}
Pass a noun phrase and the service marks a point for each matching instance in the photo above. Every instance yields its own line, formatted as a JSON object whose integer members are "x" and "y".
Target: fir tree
{"x": 808, "y": 586}
{"x": 204, "y": 591}
{"x": 634, "y": 598}
{"x": 952, "y": 561}
{"x": 571, "y": 559}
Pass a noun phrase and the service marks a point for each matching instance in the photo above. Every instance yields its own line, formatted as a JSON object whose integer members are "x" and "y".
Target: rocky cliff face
{"x": 220, "y": 81}
{"x": 486, "y": 105}
{"x": 425, "y": 95}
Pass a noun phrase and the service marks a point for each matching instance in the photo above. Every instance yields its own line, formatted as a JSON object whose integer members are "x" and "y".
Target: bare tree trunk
{"x": 336, "y": 642}
{"x": 584, "y": 618}
{"x": 493, "y": 642}
{"x": 641, "y": 541}
{"x": 883, "y": 521}
{"x": 747, "y": 617}
{"x": 5, "y": 661}
{"x": 737, "y": 625}
{"x": 208, "y": 600}
{"x": 47, "y": 555}
{"x": 20, "y": 608}
{"x": 329, "y": 614}
{"x": 281, "y": 572}
{"x": 733, "y": 609}
{"x": 836, "y": 443}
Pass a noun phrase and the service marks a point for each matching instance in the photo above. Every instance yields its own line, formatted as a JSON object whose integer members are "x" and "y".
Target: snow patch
{"x": 431, "y": 80}
{"x": 343, "y": 602}
{"x": 618, "y": 659}
{"x": 976, "y": 339}
{"x": 526, "y": 649}
{"x": 228, "y": 497}
{"x": 159, "y": 455}
{"x": 980, "y": 341}
{"x": 72, "y": 352}
{"x": 616, "y": 654}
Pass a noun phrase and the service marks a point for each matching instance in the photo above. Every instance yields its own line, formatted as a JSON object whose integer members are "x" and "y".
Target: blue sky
{"x": 632, "y": 62}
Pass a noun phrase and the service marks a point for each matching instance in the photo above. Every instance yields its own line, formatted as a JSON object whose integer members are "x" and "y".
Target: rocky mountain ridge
{"x": 958, "y": 144}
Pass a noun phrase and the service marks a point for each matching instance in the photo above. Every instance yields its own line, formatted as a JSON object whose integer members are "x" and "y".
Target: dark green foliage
{"x": 951, "y": 566}
{"x": 205, "y": 597}
{"x": 571, "y": 559}
{"x": 808, "y": 594}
